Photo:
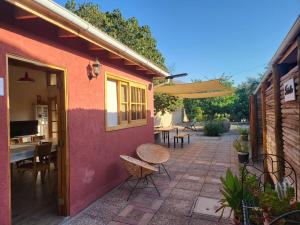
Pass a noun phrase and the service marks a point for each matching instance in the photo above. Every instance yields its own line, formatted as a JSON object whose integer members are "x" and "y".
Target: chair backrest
{"x": 43, "y": 151}
{"x": 37, "y": 138}
{"x": 137, "y": 167}
{"x": 153, "y": 153}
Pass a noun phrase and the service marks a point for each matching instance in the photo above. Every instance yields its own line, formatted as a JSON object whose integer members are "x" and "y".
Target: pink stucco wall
{"x": 94, "y": 153}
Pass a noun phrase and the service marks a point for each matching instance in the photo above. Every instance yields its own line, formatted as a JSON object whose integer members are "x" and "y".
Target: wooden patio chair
{"x": 140, "y": 170}
{"x": 41, "y": 161}
{"x": 154, "y": 154}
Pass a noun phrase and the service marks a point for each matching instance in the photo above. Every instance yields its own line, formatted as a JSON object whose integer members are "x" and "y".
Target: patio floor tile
{"x": 177, "y": 207}
{"x": 168, "y": 219}
{"x": 189, "y": 198}
{"x": 85, "y": 219}
{"x": 189, "y": 185}
{"x": 183, "y": 194}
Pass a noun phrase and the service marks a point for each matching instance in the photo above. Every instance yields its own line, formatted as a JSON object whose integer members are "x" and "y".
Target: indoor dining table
{"x": 26, "y": 150}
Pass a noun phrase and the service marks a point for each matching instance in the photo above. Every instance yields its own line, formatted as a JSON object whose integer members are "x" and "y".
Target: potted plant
{"x": 232, "y": 195}
{"x": 244, "y": 132}
{"x": 275, "y": 202}
{"x": 242, "y": 149}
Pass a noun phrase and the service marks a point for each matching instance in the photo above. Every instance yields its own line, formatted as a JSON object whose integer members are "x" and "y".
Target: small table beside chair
{"x": 181, "y": 137}
{"x": 154, "y": 154}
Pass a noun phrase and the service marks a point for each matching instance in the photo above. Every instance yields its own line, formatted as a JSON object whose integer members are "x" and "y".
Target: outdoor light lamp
{"x": 94, "y": 69}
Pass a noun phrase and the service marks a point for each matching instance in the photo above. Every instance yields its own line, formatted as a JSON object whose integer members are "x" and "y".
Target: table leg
{"x": 168, "y": 139}
{"x": 181, "y": 142}
{"x": 188, "y": 138}
{"x": 174, "y": 142}
{"x": 164, "y": 135}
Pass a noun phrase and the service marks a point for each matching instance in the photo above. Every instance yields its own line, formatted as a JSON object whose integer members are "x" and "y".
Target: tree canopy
{"x": 127, "y": 31}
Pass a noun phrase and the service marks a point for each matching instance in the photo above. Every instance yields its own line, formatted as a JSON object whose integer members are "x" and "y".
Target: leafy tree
{"x": 130, "y": 33}
{"x": 166, "y": 103}
{"x": 127, "y": 31}
{"x": 240, "y": 109}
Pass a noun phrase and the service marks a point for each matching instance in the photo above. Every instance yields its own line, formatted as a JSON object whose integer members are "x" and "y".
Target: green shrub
{"x": 224, "y": 120}
{"x": 243, "y": 131}
{"x": 213, "y": 128}
{"x": 241, "y": 146}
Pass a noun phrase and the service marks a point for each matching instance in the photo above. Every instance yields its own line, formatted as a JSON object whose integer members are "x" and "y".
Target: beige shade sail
{"x": 197, "y": 87}
{"x": 205, "y": 89}
{"x": 206, "y": 95}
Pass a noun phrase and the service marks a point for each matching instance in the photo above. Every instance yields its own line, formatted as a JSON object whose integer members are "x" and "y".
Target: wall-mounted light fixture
{"x": 26, "y": 78}
{"x": 94, "y": 69}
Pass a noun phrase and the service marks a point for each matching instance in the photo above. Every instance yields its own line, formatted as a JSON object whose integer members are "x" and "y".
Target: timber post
{"x": 264, "y": 126}
{"x": 253, "y": 128}
{"x": 264, "y": 116}
{"x": 277, "y": 71}
{"x": 298, "y": 63}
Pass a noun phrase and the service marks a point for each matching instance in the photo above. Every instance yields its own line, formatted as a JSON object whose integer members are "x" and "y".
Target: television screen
{"x": 23, "y": 128}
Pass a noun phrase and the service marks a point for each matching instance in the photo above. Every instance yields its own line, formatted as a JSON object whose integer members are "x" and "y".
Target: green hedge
{"x": 213, "y": 128}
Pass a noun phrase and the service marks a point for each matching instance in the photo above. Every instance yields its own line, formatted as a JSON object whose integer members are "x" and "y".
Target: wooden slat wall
{"x": 270, "y": 117}
{"x": 259, "y": 122}
{"x": 270, "y": 124}
{"x": 290, "y": 123}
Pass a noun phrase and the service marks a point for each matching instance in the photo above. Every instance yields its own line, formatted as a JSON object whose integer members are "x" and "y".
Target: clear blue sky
{"x": 211, "y": 37}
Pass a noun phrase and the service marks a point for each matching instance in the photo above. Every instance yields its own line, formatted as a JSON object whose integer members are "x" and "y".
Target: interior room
{"x": 34, "y": 111}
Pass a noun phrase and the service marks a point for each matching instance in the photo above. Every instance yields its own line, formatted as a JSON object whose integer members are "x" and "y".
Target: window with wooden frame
{"x": 125, "y": 103}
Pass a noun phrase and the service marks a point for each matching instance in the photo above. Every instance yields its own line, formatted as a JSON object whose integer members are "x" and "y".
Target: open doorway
{"x": 38, "y": 155}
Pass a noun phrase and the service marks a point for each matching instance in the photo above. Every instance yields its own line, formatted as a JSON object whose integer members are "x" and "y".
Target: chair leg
{"x": 43, "y": 175}
{"x": 163, "y": 166}
{"x": 146, "y": 180}
{"x": 181, "y": 142}
{"x": 174, "y": 142}
{"x": 188, "y": 138}
{"x": 35, "y": 174}
{"x": 152, "y": 181}
{"x": 133, "y": 188}
{"x": 168, "y": 140}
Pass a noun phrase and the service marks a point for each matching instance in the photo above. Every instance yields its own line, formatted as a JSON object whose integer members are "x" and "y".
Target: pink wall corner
{"x": 4, "y": 161}
{"x": 95, "y": 167}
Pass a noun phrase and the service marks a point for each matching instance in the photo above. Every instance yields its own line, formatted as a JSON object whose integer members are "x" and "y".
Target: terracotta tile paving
{"x": 194, "y": 189}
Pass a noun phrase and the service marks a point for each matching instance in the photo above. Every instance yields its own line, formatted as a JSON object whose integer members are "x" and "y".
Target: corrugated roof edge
{"x": 289, "y": 38}
{"x": 65, "y": 14}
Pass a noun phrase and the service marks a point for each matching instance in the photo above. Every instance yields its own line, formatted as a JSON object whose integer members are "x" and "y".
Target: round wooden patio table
{"x": 154, "y": 154}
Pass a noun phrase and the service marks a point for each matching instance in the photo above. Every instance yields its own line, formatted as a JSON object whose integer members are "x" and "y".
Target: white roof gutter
{"x": 288, "y": 40}
{"x": 87, "y": 28}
